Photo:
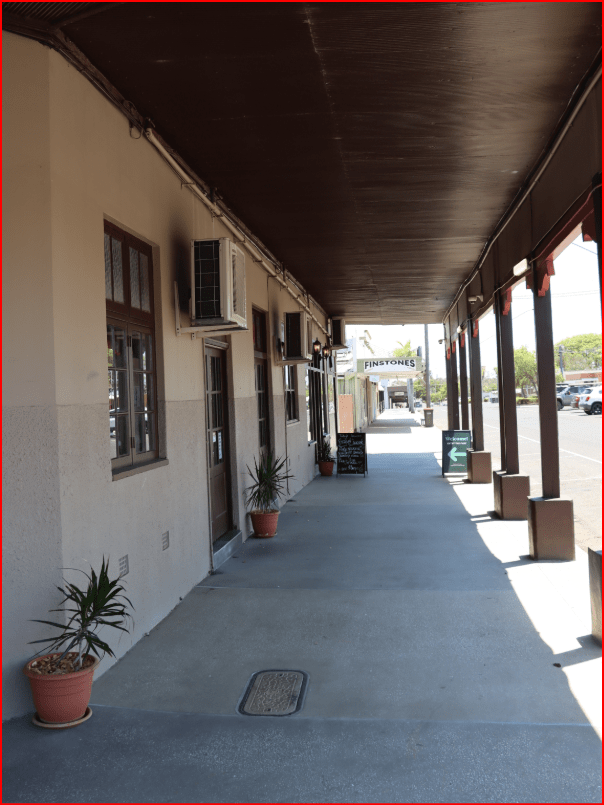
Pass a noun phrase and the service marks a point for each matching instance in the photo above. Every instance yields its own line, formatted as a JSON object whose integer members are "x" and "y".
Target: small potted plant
{"x": 325, "y": 457}
{"x": 61, "y": 682}
{"x": 268, "y": 477}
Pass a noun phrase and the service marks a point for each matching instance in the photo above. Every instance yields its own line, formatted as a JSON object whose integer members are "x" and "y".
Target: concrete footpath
{"x": 444, "y": 665}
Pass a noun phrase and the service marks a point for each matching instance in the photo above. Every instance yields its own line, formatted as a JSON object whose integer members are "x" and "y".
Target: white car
{"x": 591, "y": 401}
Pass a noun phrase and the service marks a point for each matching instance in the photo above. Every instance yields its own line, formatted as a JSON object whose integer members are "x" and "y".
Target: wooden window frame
{"x": 133, "y": 320}
{"x": 315, "y": 374}
{"x": 290, "y": 390}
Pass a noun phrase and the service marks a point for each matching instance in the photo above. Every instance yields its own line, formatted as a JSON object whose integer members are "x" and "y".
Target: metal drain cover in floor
{"x": 274, "y": 693}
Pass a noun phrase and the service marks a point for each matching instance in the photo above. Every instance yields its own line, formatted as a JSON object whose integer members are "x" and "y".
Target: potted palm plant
{"x": 61, "y": 680}
{"x": 325, "y": 457}
{"x": 268, "y": 477}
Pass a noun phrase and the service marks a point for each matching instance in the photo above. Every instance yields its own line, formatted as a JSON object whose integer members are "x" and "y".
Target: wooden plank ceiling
{"x": 372, "y": 147}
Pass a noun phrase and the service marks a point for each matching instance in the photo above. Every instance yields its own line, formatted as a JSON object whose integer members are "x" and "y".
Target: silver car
{"x": 591, "y": 401}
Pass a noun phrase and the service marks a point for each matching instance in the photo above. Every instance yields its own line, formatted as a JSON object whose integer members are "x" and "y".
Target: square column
{"x": 551, "y": 521}
{"x": 463, "y": 382}
{"x": 449, "y": 395}
{"x": 595, "y": 592}
{"x": 454, "y": 388}
{"x": 511, "y": 490}
{"x": 479, "y": 461}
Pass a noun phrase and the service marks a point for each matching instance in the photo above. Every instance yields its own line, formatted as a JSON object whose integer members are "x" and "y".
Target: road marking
{"x": 561, "y": 449}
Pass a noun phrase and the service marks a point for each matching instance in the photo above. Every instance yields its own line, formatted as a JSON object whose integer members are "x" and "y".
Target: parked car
{"x": 591, "y": 401}
{"x": 566, "y": 396}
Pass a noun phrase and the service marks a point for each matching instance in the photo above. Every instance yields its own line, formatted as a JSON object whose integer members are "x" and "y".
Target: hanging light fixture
{"x": 326, "y": 351}
{"x": 316, "y": 346}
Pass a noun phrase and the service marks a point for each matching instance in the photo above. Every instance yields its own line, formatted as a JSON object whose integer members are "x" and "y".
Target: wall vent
{"x": 124, "y": 566}
{"x": 165, "y": 541}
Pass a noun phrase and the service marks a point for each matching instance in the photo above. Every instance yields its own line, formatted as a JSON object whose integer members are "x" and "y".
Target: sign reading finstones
{"x": 456, "y": 444}
{"x": 352, "y": 453}
{"x": 375, "y": 366}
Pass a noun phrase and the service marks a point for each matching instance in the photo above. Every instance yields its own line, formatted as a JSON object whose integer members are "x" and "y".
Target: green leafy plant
{"x": 268, "y": 478}
{"x": 102, "y": 603}
{"x": 324, "y": 451}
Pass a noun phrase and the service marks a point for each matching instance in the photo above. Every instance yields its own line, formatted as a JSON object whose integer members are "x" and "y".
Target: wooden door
{"x": 218, "y": 443}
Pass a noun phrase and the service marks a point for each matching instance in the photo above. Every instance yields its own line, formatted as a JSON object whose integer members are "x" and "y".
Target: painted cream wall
{"x": 72, "y": 163}
{"x": 32, "y": 553}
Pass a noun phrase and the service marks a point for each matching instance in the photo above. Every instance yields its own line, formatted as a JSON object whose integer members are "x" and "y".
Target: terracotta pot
{"x": 265, "y": 523}
{"x": 61, "y": 698}
{"x": 326, "y": 467}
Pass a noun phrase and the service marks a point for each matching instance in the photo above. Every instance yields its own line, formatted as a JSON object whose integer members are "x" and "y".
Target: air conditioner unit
{"x": 217, "y": 285}
{"x": 296, "y": 348}
{"x": 338, "y": 334}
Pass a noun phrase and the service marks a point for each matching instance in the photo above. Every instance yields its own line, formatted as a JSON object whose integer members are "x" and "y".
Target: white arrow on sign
{"x": 454, "y": 455}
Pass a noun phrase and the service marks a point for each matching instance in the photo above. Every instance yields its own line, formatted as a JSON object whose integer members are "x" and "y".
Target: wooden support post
{"x": 550, "y": 519}
{"x": 546, "y": 372}
{"x": 479, "y": 461}
{"x": 463, "y": 382}
{"x": 507, "y": 394}
{"x": 449, "y": 394}
{"x": 497, "y": 302}
{"x": 476, "y": 389}
{"x": 510, "y": 489}
{"x": 597, "y": 202}
{"x": 454, "y": 388}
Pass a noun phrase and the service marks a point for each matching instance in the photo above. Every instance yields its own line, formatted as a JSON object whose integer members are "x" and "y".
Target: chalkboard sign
{"x": 352, "y": 454}
{"x": 456, "y": 444}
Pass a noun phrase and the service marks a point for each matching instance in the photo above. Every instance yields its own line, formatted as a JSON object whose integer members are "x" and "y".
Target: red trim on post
{"x": 575, "y": 216}
{"x": 588, "y": 228}
{"x": 475, "y": 329}
{"x": 544, "y": 272}
{"x": 453, "y": 347}
{"x": 462, "y": 340}
{"x": 448, "y": 353}
{"x": 507, "y": 302}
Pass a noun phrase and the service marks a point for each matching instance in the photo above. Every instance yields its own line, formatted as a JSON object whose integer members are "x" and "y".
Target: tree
{"x": 403, "y": 350}
{"x": 525, "y": 366}
{"x": 581, "y": 351}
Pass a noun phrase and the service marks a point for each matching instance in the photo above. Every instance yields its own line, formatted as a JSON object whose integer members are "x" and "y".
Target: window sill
{"x": 292, "y": 422}
{"x": 126, "y": 473}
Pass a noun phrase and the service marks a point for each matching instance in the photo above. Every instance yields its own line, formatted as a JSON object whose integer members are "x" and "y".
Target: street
{"x": 580, "y": 439}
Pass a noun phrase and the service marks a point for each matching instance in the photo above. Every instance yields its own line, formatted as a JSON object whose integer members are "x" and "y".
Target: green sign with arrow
{"x": 456, "y": 444}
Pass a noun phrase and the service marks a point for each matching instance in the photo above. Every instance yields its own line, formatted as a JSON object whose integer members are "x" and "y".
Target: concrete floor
{"x": 428, "y": 636}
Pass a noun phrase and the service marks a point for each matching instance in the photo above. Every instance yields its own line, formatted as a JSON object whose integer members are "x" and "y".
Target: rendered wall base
{"x": 551, "y": 529}
{"x": 479, "y": 467}
{"x": 595, "y": 592}
{"x": 510, "y": 493}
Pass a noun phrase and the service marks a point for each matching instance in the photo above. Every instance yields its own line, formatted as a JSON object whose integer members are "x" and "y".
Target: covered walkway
{"x": 444, "y": 665}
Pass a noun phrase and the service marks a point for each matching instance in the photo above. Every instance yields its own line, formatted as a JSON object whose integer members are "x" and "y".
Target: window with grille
{"x": 131, "y": 357}
{"x": 291, "y": 398}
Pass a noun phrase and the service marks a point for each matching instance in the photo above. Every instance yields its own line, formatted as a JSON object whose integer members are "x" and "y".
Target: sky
{"x": 576, "y": 309}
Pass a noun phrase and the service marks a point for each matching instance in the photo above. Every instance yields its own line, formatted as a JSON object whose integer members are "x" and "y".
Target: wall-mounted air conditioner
{"x": 338, "y": 334}
{"x": 296, "y": 347}
{"x": 217, "y": 285}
